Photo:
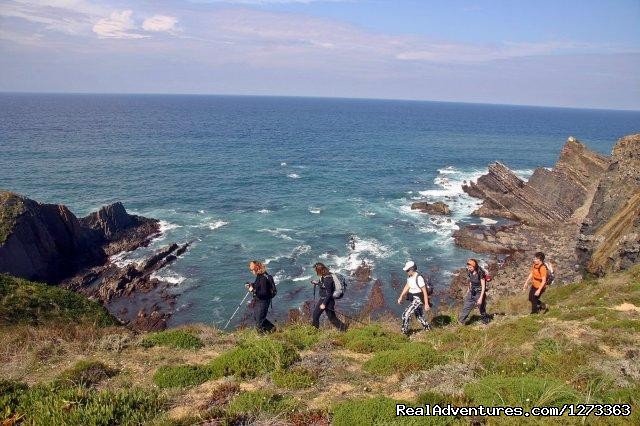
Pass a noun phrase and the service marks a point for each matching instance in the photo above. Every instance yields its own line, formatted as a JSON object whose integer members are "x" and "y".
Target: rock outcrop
{"x": 610, "y": 234}
{"x": 437, "y": 208}
{"x": 549, "y": 197}
{"x": 583, "y": 189}
{"x": 47, "y": 242}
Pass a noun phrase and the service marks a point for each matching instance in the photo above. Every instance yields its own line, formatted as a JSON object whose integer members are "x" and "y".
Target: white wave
{"x": 278, "y": 233}
{"x": 293, "y": 176}
{"x": 368, "y": 213}
{"x": 201, "y": 211}
{"x": 264, "y": 211}
{"x": 280, "y": 276}
{"x": 302, "y": 249}
{"x": 448, "y": 170}
{"x": 305, "y": 278}
{"x": 168, "y": 277}
{"x": 283, "y": 164}
{"x": 122, "y": 261}
{"x": 525, "y": 174}
{"x": 315, "y": 210}
{"x": 168, "y": 226}
{"x": 216, "y": 224}
{"x": 273, "y": 259}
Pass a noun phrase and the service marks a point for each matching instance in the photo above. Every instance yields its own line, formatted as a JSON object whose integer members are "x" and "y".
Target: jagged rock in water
{"x": 610, "y": 234}
{"x": 47, "y": 242}
{"x": 437, "y": 208}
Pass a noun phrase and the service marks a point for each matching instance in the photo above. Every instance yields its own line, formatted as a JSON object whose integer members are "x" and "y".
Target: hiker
{"x": 476, "y": 293}
{"x": 263, "y": 289}
{"x": 539, "y": 279}
{"x": 416, "y": 292}
{"x": 326, "y": 303}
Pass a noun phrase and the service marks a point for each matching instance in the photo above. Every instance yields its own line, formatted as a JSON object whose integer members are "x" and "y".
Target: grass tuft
{"x": 85, "y": 373}
{"x": 181, "y": 376}
{"x": 254, "y": 357}
{"x": 293, "y": 379}
{"x": 371, "y": 338}
{"x": 263, "y": 402}
{"x": 409, "y": 357}
{"x": 177, "y": 339}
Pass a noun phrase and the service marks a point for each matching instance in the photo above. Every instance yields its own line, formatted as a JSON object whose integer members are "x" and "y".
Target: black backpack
{"x": 273, "y": 288}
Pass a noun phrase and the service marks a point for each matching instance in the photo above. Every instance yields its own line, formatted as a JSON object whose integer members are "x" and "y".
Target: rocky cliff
{"x": 610, "y": 234}
{"x": 549, "y": 197}
{"x": 47, "y": 242}
{"x": 587, "y": 201}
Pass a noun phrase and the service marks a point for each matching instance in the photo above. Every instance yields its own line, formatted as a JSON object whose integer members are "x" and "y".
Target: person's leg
{"x": 534, "y": 300}
{"x": 315, "y": 319}
{"x": 406, "y": 316}
{"x": 541, "y": 305}
{"x": 468, "y": 304}
{"x": 483, "y": 310}
{"x": 419, "y": 313}
{"x": 260, "y": 308}
{"x": 331, "y": 314}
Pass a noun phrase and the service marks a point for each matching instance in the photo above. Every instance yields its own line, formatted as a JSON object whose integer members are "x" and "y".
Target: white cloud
{"x": 118, "y": 25}
{"x": 160, "y": 23}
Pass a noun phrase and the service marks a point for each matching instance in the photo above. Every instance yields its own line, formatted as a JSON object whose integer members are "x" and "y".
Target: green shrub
{"x": 178, "y": 339}
{"x": 525, "y": 391}
{"x": 514, "y": 333}
{"x": 85, "y": 373}
{"x": 181, "y": 376}
{"x": 10, "y": 393}
{"x": 379, "y": 410}
{"x": 302, "y": 336}
{"x": 409, "y": 357}
{"x": 263, "y": 402}
{"x": 27, "y": 302}
{"x": 11, "y": 207}
{"x": 371, "y": 338}
{"x": 293, "y": 379}
{"x": 50, "y": 405}
{"x": 254, "y": 357}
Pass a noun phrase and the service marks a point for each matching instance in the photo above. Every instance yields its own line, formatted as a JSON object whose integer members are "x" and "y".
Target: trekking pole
{"x": 236, "y": 311}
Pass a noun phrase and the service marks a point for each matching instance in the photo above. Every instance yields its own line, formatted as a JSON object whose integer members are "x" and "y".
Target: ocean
{"x": 287, "y": 180}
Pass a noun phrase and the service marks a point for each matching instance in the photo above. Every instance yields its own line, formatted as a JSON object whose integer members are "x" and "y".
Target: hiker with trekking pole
{"x": 264, "y": 290}
{"x": 329, "y": 292}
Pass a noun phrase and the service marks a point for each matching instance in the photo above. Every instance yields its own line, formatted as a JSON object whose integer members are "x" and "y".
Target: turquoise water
{"x": 288, "y": 180}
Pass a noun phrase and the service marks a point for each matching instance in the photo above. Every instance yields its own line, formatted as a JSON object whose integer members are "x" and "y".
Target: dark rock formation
{"x": 46, "y": 242}
{"x": 610, "y": 234}
{"x": 549, "y": 197}
{"x": 438, "y": 208}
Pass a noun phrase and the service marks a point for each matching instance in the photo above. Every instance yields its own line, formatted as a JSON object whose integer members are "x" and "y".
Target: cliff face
{"x": 549, "y": 197}
{"x": 47, "y": 242}
{"x": 610, "y": 234}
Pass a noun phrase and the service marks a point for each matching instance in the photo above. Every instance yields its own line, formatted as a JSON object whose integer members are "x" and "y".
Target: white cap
{"x": 410, "y": 264}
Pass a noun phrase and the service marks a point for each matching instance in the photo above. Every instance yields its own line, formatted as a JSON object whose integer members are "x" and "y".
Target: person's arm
{"x": 403, "y": 293}
{"x": 526, "y": 283}
{"x": 253, "y": 286}
{"x": 426, "y": 298}
{"x": 483, "y": 284}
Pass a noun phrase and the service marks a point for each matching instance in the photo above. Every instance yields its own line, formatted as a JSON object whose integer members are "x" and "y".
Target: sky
{"x": 569, "y": 53}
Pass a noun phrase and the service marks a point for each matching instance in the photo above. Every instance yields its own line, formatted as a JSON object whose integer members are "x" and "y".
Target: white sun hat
{"x": 410, "y": 264}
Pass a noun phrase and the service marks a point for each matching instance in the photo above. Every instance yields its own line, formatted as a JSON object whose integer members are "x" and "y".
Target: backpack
{"x": 273, "y": 288}
{"x": 427, "y": 282}
{"x": 340, "y": 284}
{"x": 550, "y": 274}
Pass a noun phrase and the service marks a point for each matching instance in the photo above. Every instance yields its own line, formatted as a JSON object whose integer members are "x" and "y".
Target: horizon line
{"x": 316, "y": 97}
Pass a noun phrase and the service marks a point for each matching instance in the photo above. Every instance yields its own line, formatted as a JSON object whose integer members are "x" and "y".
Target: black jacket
{"x": 327, "y": 287}
{"x": 262, "y": 286}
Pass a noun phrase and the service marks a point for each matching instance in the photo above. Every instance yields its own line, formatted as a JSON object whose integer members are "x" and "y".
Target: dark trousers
{"x": 260, "y": 310}
{"x": 536, "y": 304}
{"x": 331, "y": 314}
{"x": 471, "y": 301}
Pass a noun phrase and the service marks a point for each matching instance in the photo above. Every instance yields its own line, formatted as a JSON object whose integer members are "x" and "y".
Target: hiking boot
{"x": 485, "y": 320}
{"x": 426, "y": 327}
{"x": 545, "y": 308}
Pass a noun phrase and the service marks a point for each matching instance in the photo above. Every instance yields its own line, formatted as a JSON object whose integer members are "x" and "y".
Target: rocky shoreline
{"x": 584, "y": 214}
{"x": 48, "y": 243}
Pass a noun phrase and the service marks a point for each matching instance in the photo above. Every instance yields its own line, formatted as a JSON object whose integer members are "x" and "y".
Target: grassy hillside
{"x": 584, "y": 350}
